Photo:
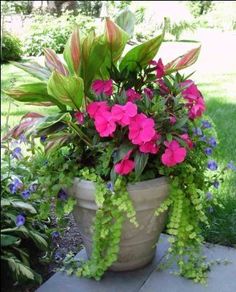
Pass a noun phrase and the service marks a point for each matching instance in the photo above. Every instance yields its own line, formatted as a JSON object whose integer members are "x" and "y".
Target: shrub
{"x": 11, "y": 47}
{"x": 50, "y": 31}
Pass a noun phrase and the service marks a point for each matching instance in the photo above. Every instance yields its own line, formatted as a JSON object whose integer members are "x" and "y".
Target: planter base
{"x": 137, "y": 245}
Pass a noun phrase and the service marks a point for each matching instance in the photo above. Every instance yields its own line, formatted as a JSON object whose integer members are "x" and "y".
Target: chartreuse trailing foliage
{"x": 123, "y": 119}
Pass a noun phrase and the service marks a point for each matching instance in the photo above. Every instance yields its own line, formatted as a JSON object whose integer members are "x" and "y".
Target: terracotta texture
{"x": 138, "y": 244}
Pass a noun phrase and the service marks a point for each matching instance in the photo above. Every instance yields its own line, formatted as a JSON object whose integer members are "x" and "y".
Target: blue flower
{"x": 22, "y": 138}
{"x": 197, "y": 131}
{"x": 231, "y": 166}
{"x": 209, "y": 196}
{"x": 216, "y": 184}
{"x": 110, "y": 186}
{"x": 208, "y": 151}
{"x": 206, "y": 124}
{"x": 212, "y": 165}
{"x": 55, "y": 234}
{"x": 15, "y": 185}
{"x": 210, "y": 209}
{"x": 212, "y": 142}
{"x": 62, "y": 195}
{"x": 16, "y": 153}
{"x": 33, "y": 187}
{"x": 203, "y": 138}
{"x": 25, "y": 194}
{"x": 20, "y": 220}
{"x": 58, "y": 256}
{"x": 43, "y": 139}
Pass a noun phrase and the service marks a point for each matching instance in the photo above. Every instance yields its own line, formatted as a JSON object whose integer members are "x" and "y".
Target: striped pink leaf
{"x": 53, "y": 62}
{"x": 183, "y": 61}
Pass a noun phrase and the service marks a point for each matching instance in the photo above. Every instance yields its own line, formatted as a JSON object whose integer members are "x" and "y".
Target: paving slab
{"x": 222, "y": 278}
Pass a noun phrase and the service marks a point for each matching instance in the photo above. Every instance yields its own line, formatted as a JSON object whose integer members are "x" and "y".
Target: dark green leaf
{"x": 140, "y": 160}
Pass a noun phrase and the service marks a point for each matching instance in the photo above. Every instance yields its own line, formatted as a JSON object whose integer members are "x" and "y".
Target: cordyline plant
{"x": 123, "y": 119}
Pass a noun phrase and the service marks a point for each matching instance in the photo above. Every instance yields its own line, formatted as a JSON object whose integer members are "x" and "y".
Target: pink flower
{"x": 195, "y": 104}
{"x": 160, "y": 72}
{"x": 151, "y": 146}
{"x": 123, "y": 113}
{"x": 95, "y": 107}
{"x": 104, "y": 123}
{"x": 102, "y": 86}
{"x": 172, "y": 120}
{"x": 160, "y": 69}
{"x": 125, "y": 166}
{"x": 132, "y": 95}
{"x": 186, "y": 138}
{"x": 196, "y": 109}
{"x": 141, "y": 129}
{"x": 173, "y": 154}
{"x": 79, "y": 117}
{"x": 148, "y": 92}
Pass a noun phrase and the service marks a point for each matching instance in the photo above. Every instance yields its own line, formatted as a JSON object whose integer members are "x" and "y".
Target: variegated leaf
{"x": 34, "y": 69}
{"x": 53, "y": 62}
{"x": 183, "y": 61}
{"x": 68, "y": 90}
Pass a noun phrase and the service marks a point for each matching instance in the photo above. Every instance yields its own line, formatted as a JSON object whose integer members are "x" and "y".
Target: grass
{"x": 221, "y": 107}
{"x": 218, "y": 91}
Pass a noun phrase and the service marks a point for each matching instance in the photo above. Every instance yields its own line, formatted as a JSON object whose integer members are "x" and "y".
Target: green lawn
{"x": 219, "y": 93}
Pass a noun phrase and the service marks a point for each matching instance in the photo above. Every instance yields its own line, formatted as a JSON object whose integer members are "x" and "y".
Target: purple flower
{"x": 22, "y": 139}
{"x": 210, "y": 209}
{"x": 203, "y": 138}
{"x": 209, "y": 196}
{"x": 148, "y": 92}
{"x": 16, "y": 153}
{"x": 110, "y": 186}
{"x": 20, "y": 220}
{"x": 212, "y": 165}
{"x": 33, "y": 187}
{"x": 212, "y": 142}
{"x": 15, "y": 185}
{"x": 55, "y": 234}
{"x": 43, "y": 139}
{"x": 62, "y": 195}
{"x": 206, "y": 124}
{"x": 208, "y": 151}
{"x": 231, "y": 166}
{"x": 58, "y": 256}
{"x": 197, "y": 131}
{"x": 216, "y": 184}
{"x": 25, "y": 194}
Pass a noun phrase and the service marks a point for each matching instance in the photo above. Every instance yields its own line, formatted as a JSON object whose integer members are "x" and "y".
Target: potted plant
{"x": 131, "y": 138}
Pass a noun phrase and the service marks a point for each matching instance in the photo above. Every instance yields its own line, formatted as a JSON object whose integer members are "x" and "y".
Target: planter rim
{"x": 152, "y": 183}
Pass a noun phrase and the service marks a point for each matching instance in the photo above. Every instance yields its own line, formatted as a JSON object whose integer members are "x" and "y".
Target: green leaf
{"x": 24, "y": 206}
{"x": 52, "y": 120}
{"x": 169, "y": 137}
{"x": 34, "y": 69}
{"x": 7, "y": 240}
{"x": 35, "y": 93}
{"x": 126, "y": 20}
{"x": 116, "y": 39}
{"x": 140, "y": 160}
{"x": 121, "y": 152}
{"x": 68, "y": 90}
{"x": 94, "y": 53}
{"x": 40, "y": 242}
{"x": 141, "y": 55}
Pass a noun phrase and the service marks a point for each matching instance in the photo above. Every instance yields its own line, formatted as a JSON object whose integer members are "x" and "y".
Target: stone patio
{"x": 222, "y": 278}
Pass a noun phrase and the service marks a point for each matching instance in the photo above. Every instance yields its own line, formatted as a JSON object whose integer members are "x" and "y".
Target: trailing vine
{"x": 113, "y": 203}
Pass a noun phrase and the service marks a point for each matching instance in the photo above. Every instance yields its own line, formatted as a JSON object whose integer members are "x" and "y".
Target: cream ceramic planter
{"x": 138, "y": 244}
